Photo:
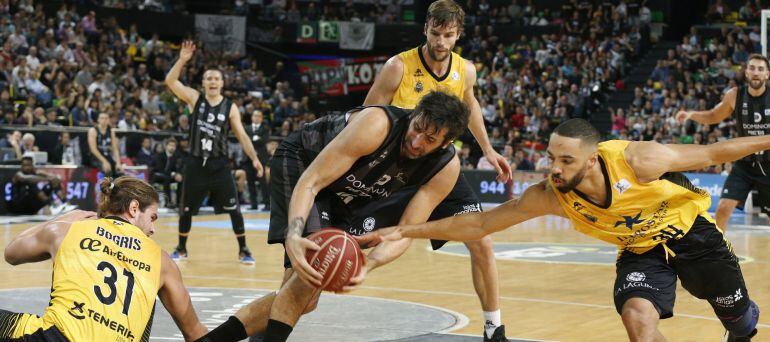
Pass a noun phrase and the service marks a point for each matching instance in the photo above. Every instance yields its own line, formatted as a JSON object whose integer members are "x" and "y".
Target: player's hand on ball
{"x": 296, "y": 248}
{"x": 358, "y": 279}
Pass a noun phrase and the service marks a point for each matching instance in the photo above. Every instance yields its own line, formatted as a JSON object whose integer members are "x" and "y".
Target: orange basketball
{"x": 338, "y": 260}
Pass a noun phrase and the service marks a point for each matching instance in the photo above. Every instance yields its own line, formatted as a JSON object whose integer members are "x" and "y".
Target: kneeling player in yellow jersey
{"x": 630, "y": 194}
{"x": 106, "y": 272}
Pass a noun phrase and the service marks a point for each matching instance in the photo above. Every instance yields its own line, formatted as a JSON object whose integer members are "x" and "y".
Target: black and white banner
{"x": 222, "y": 32}
{"x": 356, "y": 35}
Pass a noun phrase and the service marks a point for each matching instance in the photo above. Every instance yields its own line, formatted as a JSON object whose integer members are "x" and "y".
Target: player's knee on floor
{"x": 744, "y": 324}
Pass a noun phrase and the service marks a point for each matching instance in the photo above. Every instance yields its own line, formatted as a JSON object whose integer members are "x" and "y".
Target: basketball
{"x": 338, "y": 260}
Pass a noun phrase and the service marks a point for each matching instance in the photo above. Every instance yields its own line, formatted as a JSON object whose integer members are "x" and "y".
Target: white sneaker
{"x": 63, "y": 208}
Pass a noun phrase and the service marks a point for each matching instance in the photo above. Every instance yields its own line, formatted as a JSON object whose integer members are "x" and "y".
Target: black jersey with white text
{"x": 377, "y": 175}
{"x": 209, "y": 128}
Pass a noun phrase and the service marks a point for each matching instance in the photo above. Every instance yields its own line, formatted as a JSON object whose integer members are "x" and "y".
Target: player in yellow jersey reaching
{"x": 106, "y": 272}
{"x": 630, "y": 194}
{"x": 403, "y": 81}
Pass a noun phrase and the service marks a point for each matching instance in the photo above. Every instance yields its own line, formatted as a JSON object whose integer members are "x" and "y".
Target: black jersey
{"x": 104, "y": 142}
{"x": 752, "y": 115}
{"x": 209, "y": 128}
{"x": 377, "y": 175}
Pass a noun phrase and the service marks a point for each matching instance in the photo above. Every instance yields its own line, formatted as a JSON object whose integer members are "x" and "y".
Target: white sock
{"x": 491, "y": 322}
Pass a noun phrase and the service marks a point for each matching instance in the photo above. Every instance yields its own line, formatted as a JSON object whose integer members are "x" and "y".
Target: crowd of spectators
{"x": 528, "y": 87}
{"x": 66, "y": 69}
{"x": 693, "y": 76}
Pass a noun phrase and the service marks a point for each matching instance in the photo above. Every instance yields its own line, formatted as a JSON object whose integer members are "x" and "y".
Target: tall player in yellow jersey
{"x": 403, "y": 81}
{"x": 107, "y": 272}
{"x": 630, "y": 194}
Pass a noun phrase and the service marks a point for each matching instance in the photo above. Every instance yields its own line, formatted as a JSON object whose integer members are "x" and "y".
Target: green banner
{"x": 307, "y": 32}
{"x": 328, "y": 32}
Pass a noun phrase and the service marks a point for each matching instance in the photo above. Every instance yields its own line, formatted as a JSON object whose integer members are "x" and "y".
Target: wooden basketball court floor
{"x": 555, "y": 284}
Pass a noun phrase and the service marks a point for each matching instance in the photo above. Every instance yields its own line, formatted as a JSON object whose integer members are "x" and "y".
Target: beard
{"x": 568, "y": 185}
{"x": 754, "y": 84}
{"x": 432, "y": 54}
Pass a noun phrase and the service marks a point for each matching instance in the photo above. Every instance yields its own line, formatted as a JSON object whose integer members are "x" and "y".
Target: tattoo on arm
{"x": 296, "y": 226}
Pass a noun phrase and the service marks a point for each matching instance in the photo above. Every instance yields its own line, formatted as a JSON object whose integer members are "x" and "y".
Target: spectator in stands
{"x": 166, "y": 169}
{"x": 145, "y": 156}
{"x": 103, "y": 145}
{"x": 522, "y": 162}
{"x": 27, "y": 198}
{"x": 12, "y": 140}
{"x": 28, "y": 144}
{"x": 67, "y": 152}
{"x": 259, "y": 134}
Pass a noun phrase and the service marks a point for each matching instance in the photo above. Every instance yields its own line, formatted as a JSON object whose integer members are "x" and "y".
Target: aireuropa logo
{"x": 636, "y": 276}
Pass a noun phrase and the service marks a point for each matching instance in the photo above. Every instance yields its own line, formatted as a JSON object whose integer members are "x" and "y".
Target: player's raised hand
{"x": 682, "y": 116}
{"x": 296, "y": 249}
{"x": 187, "y": 50}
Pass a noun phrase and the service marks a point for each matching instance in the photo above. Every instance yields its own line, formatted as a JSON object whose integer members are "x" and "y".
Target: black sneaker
{"x": 497, "y": 336}
{"x": 729, "y": 337}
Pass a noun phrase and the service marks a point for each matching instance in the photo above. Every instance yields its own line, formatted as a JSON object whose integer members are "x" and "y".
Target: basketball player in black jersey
{"x": 103, "y": 145}
{"x": 206, "y": 170}
{"x": 750, "y": 107}
{"x": 334, "y": 167}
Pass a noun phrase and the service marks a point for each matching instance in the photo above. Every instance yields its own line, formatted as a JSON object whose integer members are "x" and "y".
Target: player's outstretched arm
{"x": 184, "y": 93}
{"x": 174, "y": 296}
{"x": 386, "y": 83}
{"x": 537, "y": 200}
{"x": 716, "y": 114}
{"x": 650, "y": 160}
{"x": 243, "y": 138}
{"x": 362, "y": 136}
{"x": 41, "y": 241}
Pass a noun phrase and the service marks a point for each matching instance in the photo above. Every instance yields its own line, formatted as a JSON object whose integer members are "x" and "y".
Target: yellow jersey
{"x": 417, "y": 79}
{"x": 638, "y": 216}
{"x": 106, "y": 276}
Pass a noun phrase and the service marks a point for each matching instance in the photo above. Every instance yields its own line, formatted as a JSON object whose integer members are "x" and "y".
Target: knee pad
{"x": 237, "y": 220}
{"x": 185, "y": 223}
{"x": 745, "y": 324}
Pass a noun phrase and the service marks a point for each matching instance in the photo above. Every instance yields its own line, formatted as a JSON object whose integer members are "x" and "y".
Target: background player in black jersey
{"x": 750, "y": 107}
{"x": 103, "y": 144}
{"x": 206, "y": 170}
{"x": 323, "y": 174}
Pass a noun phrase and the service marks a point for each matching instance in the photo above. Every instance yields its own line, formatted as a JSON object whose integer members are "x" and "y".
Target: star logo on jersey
{"x": 630, "y": 221}
{"x": 418, "y": 87}
{"x": 77, "y": 310}
{"x": 418, "y": 73}
{"x": 455, "y": 76}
